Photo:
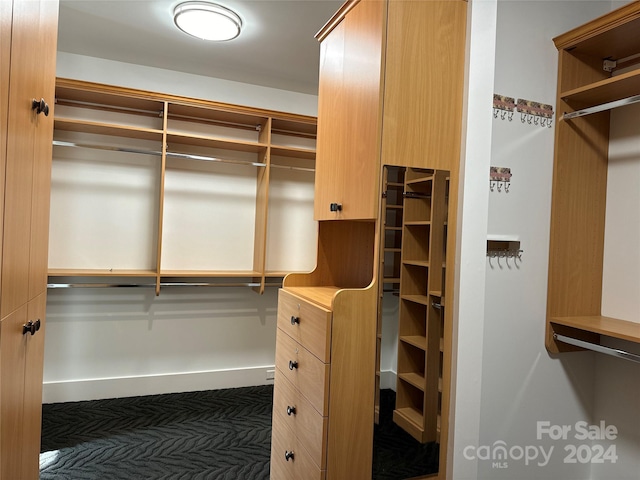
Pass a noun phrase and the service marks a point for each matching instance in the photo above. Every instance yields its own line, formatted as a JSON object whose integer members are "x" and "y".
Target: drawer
{"x": 302, "y": 419}
{"x": 308, "y": 324}
{"x": 298, "y": 467}
{"x": 304, "y": 370}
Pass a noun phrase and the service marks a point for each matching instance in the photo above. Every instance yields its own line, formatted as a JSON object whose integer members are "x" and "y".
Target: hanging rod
{"x": 601, "y": 108}
{"x": 290, "y": 167}
{"x": 189, "y": 156}
{"x": 206, "y": 158}
{"x": 110, "y": 148}
{"x": 597, "y": 348}
{"x": 162, "y": 284}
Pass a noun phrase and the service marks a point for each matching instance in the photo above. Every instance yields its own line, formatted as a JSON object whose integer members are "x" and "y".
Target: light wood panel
{"x": 423, "y": 83}
{"x": 6, "y": 12}
{"x": 352, "y": 387}
{"x": 611, "y": 327}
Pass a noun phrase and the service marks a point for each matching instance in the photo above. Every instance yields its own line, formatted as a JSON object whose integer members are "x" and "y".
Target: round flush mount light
{"x": 208, "y": 21}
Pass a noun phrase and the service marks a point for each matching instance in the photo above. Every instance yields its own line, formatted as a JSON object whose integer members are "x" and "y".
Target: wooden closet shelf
{"x": 413, "y": 379}
{"x": 604, "y": 91}
{"x": 421, "y": 299}
{"x": 410, "y": 419}
{"x": 115, "y": 130}
{"x": 99, "y": 272}
{"x": 611, "y": 327}
{"x": 417, "y": 341}
{"x": 293, "y": 152}
{"x": 321, "y": 295}
{"x": 209, "y": 273}
{"x": 425, "y": 179}
{"x": 417, "y": 263}
{"x": 211, "y": 142}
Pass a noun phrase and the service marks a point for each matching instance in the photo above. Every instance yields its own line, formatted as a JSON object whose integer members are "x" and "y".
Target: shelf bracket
{"x": 609, "y": 65}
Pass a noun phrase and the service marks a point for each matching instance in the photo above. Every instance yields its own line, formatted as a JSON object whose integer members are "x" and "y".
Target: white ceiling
{"x": 276, "y": 48}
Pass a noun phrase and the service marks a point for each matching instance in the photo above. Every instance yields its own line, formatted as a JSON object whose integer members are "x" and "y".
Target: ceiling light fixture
{"x": 208, "y": 21}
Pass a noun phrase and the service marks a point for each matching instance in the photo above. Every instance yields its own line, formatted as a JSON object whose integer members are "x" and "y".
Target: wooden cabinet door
{"x": 12, "y": 367}
{"x": 33, "y": 375}
{"x": 28, "y": 154}
{"x": 349, "y": 113}
{"x": 43, "y": 150}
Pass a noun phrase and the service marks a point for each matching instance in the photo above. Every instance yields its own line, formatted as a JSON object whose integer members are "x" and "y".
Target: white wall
{"x": 99, "y": 70}
{"x": 105, "y": 342}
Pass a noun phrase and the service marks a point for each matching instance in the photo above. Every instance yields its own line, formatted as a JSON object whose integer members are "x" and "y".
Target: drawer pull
{"x": 295, "y": 320}
{"x": 335, "y": 207}
{"x": 292, "y": 364}
{"x": 291, "y": 410}
{"x": 288, "y": 455}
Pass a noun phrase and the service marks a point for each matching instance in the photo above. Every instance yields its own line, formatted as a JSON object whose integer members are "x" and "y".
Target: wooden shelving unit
{"x": 421, "y": 327}
{"x": 580, "y": 175}
{"x": 169, "y": 140}
{"x": 391, "y": 208}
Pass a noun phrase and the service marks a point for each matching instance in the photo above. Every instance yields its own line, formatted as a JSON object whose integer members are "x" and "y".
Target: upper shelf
{"x": 611, "y": 327}
{"x": 604, "y": 91}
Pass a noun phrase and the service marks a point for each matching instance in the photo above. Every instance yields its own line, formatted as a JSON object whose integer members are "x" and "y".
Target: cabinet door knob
{"x": 295, "y": 320}
{"x": 335, "y": 207}
{"x": 29, "y": 327}
{"x": 37, "y": 324}
{"x": 291, "y": 410}
{"x": 288, "y": 455}
{"x": 292, "y": 364}
{"x": 40, "y": 106}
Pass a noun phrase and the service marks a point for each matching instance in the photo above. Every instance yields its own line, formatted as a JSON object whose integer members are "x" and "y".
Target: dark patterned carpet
{"x": 210, "y": 435}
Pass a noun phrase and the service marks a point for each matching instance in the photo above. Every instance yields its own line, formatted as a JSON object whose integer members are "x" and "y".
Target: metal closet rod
{"x": 601, "y": 108}
{"x": 59, "y": 143}
{"x": 598, "y": 348}
{"x": 162, "y": 284}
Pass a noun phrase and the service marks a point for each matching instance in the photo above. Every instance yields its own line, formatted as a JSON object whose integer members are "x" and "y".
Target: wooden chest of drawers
{"x": 323, "y": 393}
{"x": 301, "y": 393}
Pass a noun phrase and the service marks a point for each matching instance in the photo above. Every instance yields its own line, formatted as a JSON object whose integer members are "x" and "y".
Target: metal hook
{"x": 535, "y": 120}
{"x": 495, "y": 113}
{"x": 503, "y": 115}
{"x": 529, "y": 119}
{"x": 511, "y": 115}
{"x": 492, "y": 185}
{"x": 499, "y": 186}
{"x": 506, "y": 186}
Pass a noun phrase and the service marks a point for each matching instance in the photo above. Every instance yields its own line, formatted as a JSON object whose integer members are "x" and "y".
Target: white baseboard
{"x": 388, "y": 379}
{"x": 115, "y": 387}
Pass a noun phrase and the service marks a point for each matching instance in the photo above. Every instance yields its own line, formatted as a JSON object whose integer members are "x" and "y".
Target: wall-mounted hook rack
{"x": 499, "y": 177}
{"x": 504, "y": 248}
{"x": 503, "y": 107}
{"x": 536, "y": 113}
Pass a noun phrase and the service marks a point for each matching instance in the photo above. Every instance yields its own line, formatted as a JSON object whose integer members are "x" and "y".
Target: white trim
{"x": 133, "y": 386}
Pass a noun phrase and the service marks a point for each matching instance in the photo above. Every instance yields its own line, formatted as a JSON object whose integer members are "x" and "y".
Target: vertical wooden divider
{"x": 262, "y": 208}
{"x": 163, "y": 166}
